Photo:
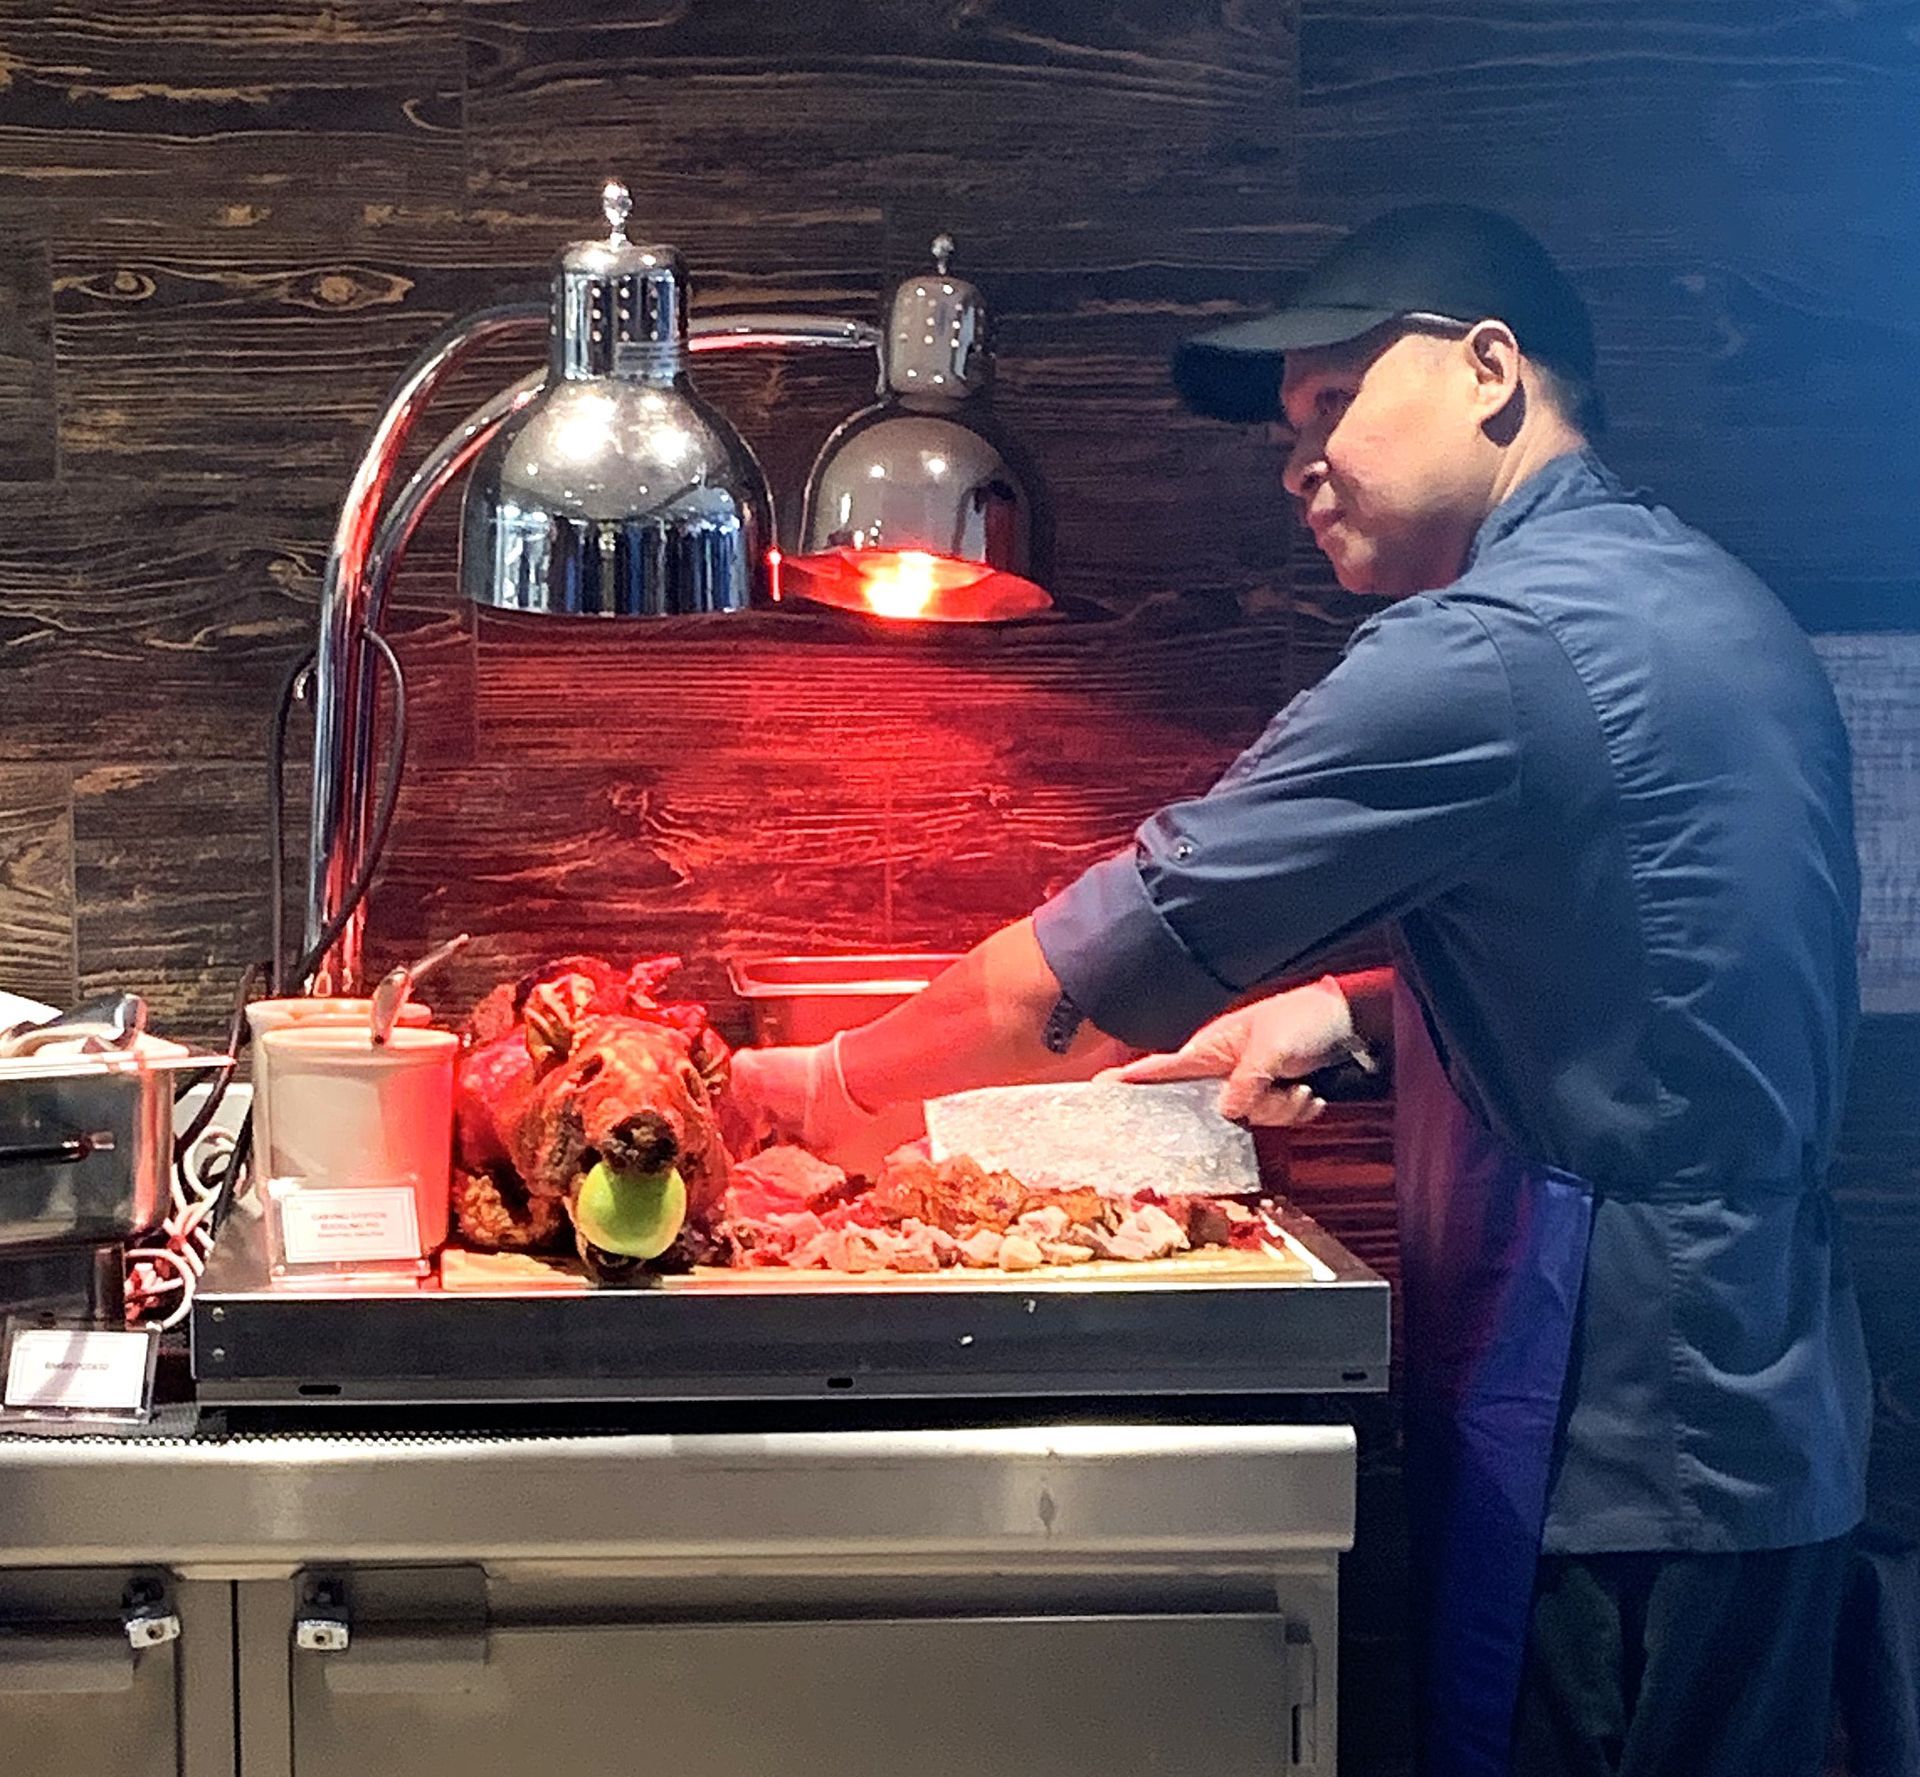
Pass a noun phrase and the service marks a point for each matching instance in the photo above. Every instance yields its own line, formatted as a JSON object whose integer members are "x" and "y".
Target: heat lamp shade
{"x": 611, "y": 499}
{"x": 913, "y": 482}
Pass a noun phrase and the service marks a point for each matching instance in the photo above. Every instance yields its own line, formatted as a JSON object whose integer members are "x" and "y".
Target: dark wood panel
{"x": 36, "y": 882}
{"x": 136, "y": 623}
{"x": 170, "y": 884}
{"x": 1876, "y": 1177}
{"x": 139, "y": 100}
{"x": 216, "y": 179}
{"x": 1805, "y": 506}
{"x": 721, "y": 852}
{"x": 266, "y": 369}
{"x": 1673, "y": 99}
{"x": 1067, "y": 119}
{"x": 699, "y": 852}
{"x": 271, "y": 358}
{"x": 26, "y": 341}
{"x": 788, "y": 684}
{"x": 1877, "y": 679}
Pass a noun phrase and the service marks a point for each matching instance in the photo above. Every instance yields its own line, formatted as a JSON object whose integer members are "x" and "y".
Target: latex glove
{"x": 1278, "y": 1039}
{"x": 799, "y": 1094}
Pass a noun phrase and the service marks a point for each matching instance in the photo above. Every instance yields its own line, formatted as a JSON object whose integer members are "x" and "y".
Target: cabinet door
{"x": 1086, "y": 1696}
{"x": 76, "y": 1698}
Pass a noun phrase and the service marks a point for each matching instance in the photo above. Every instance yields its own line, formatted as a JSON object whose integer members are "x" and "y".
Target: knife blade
{"x": 1121, "y": 1139}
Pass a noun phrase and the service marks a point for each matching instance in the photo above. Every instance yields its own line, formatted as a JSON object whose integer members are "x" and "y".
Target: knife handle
{"x": 1344, "y": 1082}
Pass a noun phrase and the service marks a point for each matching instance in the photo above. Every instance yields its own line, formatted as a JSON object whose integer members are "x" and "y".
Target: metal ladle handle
{"x": 56, "y": 1153}
{"x": 396, "y": 986}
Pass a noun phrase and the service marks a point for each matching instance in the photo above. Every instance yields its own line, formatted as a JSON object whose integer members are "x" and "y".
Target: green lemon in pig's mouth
{"x": 637, "y": 1214}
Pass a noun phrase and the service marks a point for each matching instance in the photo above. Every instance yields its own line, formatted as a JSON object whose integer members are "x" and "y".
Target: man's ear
{"x": 1493, "y": 356}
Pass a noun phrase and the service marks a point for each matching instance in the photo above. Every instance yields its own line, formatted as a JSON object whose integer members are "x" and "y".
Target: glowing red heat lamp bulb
{"x": 912, "y": 585}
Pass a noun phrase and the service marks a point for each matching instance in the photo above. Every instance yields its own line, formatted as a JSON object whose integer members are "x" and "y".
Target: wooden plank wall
{"x": 223, "y": 231}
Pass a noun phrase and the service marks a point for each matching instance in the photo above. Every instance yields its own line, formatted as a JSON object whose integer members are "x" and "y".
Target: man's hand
{"x": 1279, "y": 1039}
{"x": 800, "y": 1095}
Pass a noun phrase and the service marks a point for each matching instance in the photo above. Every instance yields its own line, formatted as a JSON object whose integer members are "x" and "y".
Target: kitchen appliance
{"x": 919, "y": 507}
{"x": 86, "y": 1170}
{"x": 605, "y": 486}
{"x": 1300, "y": 1315}
{"x": 616, "y": 491}
{"x": 1292, "y": 1313}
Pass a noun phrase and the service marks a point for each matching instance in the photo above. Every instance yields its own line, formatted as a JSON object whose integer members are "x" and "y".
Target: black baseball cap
{"x": 1450, "y": 260}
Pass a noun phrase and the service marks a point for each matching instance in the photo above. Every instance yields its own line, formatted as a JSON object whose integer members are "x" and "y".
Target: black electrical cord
{"x": 382, "y": 822}
{"x": 276, "y": 821}
{"x": 236, "y": 1036}
{"x": 270, "y": 970}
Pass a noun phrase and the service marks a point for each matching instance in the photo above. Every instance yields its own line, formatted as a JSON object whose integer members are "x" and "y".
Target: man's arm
{"x": 980, "y": 1022}
{"x": 1372, "y": 792}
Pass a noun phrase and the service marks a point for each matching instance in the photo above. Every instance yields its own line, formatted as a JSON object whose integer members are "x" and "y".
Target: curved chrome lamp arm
{"x": 343, "y": 704}
{"x": 727, "y": 333}
{"x": 366, "y": 554}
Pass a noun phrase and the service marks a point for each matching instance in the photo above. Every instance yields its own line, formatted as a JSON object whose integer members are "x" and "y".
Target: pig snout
{"x": 642, "y": 1142}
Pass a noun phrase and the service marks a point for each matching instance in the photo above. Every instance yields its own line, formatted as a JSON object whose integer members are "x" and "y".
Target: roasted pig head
{"x": 589, "y": 1120}
{"x": 617, "y": 1117}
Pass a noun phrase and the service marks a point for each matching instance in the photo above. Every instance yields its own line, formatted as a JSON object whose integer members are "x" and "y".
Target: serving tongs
{"x": 114, "y": 1021}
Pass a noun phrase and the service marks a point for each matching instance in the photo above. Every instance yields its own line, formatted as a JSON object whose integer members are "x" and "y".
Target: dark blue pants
{"x": 1660, "y": 1665}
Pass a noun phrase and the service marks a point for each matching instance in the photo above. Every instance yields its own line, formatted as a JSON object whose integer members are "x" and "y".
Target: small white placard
{"x": 335, "y": 1226}
{"x": 71, "y": 1370}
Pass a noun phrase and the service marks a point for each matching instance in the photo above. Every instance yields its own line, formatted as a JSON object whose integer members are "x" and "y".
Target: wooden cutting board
{"x": 523, "y": 1274}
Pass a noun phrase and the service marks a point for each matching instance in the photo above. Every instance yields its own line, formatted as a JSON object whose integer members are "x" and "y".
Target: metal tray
{"x": 805, "y": 999}
{"x": 1311, "y": 1319}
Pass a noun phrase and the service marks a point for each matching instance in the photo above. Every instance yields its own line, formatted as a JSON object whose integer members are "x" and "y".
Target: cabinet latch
{"x": 1303, "y": 1677}
{"x": 145, "y": 1615}
{"x": 322, "y": 1626}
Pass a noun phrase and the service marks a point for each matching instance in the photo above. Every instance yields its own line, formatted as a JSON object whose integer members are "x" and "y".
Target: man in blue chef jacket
{"x": 1590, "y": 775}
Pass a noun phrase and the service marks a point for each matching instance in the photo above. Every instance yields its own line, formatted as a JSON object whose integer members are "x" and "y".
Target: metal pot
{"x": 86, "y": 1146}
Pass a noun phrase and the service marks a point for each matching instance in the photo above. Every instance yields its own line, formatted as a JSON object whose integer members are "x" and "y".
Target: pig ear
{"x": 601, "y": 974}
{"x": 553, "y": 1013}
{"x": 647, "y": 977}
{"x": 712, "y": 1060}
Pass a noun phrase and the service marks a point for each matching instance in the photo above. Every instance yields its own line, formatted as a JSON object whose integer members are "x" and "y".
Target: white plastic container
{"x": 282, "y": 1014}
{"x": 358, "y": 1148}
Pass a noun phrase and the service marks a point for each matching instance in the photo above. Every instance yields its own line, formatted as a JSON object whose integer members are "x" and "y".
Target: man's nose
{"x": 1303, "y": 473}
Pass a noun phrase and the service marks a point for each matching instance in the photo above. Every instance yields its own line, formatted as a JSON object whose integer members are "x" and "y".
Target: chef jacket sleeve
{"x": 1368, "y": 794}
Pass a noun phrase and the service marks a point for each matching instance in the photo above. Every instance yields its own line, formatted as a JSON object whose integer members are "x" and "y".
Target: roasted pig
{"x": 584, "y": 1118}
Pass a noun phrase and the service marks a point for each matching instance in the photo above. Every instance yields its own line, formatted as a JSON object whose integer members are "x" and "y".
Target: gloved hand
{"x": 1281, "y": 1038}
{"x": 799, "y": 1094}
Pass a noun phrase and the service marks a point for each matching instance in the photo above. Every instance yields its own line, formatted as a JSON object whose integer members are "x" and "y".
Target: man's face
{"x": 1386, "y": 455}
